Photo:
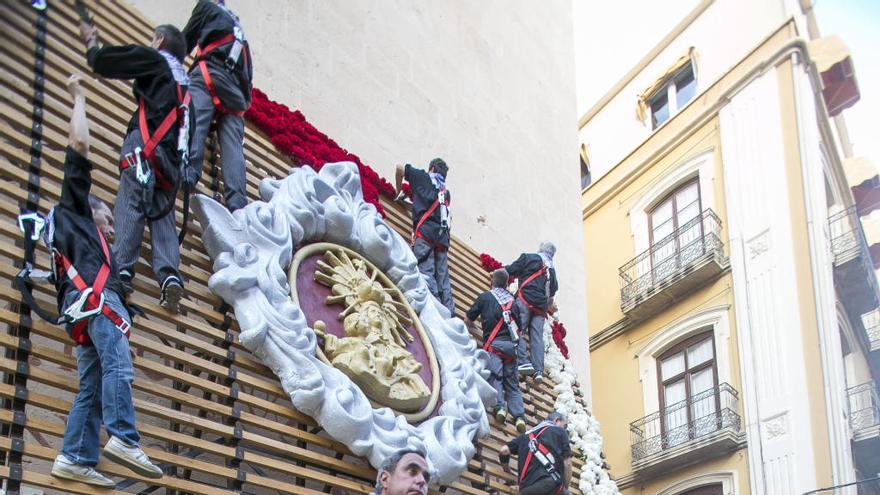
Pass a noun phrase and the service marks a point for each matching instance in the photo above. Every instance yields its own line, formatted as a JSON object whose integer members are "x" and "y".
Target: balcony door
{"x": 716, "y": 489}
{"x": 689, "y": 399}
{"x": 676, "y": 231}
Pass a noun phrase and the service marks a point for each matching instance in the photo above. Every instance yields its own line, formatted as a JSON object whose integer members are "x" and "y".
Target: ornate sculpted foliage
{"x": 252, "y": 250}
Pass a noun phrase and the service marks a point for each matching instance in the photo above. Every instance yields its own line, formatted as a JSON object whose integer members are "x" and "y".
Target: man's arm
{"x": 398, "y": 178}
{"x": 78, "y": 131}
{"x": 504, "y": 457}
{"x": 77, "y": 170}
{"x": 193, "y": 30}
{"x": 515, "y": 269}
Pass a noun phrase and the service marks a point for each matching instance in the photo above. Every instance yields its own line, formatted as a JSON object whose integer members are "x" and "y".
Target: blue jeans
{"x": 105, "y": 377}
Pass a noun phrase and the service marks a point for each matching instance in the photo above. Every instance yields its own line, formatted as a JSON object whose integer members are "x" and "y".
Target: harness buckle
{"x": 124, "y": 327}
{"x": 76, "y": 310}
{"x": 140, "y": 163}
{"x": 39, "y": 224}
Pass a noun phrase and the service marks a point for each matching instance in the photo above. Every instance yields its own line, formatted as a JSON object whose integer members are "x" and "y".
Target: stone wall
{"x": 487, "y": 85}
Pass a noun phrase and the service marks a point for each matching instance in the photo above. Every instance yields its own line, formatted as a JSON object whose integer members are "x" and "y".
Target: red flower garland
{"x": 559, "y": 333}
{"x": 294, "y": 136}
{"x": 489, "y": 263}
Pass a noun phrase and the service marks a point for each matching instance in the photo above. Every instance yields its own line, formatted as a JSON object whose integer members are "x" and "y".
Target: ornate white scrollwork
{"x": 252, "y": 250}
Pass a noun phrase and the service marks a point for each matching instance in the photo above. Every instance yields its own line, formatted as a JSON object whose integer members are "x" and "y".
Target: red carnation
{"x": 489, "y": 263}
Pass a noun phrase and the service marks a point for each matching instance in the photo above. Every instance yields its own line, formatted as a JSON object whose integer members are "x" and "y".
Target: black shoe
{"x": 126, "y": 279}
{"x": 172, "y": 291}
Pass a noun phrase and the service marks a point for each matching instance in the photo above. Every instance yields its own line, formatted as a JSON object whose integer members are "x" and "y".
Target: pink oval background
{"x": 311, "y": 297}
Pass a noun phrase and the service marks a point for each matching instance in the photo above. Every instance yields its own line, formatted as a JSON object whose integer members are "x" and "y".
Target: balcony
{"x": 702, "y": 427}
{"x": 871, "y": 323}
{"x": 853, "y": 266}
{"x": 864, "y": 420}
{"x": 672, "y": 267}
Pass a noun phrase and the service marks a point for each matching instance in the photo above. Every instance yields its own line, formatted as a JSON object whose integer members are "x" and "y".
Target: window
{"x": 585, "y": 174}
{"x": 586, "y": 178}
{"x": 715, "y": 489}
{"x": 688, "y": 389}
{"x": 676, "y": 232}
{"x": 674, "y": 94}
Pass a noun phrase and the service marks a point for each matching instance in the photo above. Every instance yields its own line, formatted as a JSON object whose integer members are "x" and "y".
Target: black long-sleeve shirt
{"x": 76, "y": 235}
{"x": 486, "y": 308}
{"x": 208, "y": 23}
{"x": 153, "y": 81}
{"x": 424, "y": 194}
{"x": 534, "y": 292}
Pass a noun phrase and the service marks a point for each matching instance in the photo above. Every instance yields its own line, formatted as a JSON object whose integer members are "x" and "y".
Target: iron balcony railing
{"x": 705, "y": 413}
{"x": 847, "y": 237}
{"x": 667, "y": 258}
{"x": 871, "y": 322}
{"x": 864, "y": 406}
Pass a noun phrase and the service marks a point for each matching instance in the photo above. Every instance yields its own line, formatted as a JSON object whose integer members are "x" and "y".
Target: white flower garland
{"x": 583, "y": 429}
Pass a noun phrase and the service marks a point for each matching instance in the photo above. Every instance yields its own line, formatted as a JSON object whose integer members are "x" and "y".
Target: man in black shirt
{"x": 151, "y": 154}
{"x": 544, "y": 457}
{"x": 89, "y": 293}
{"x": 430, "y": 216}
{"x": 500, "y": 335}
{"x": 220, "y": 86}
{"x": 537, "y": 287}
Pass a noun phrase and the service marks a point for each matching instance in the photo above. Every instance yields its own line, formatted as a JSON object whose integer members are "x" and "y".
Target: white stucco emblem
{"x": 252, "y": 250}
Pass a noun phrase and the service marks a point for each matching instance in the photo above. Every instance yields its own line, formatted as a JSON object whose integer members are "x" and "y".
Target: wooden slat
{"x": 182, "y": 387}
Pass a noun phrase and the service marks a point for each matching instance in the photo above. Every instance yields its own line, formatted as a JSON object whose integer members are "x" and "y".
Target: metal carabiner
{"x": 39, "y": 223}
{"x": 75, "y": 312}
{"x": 142, "y": 167}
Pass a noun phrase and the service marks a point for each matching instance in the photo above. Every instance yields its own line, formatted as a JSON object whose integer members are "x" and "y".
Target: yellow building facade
{"x": 730, "y": 286}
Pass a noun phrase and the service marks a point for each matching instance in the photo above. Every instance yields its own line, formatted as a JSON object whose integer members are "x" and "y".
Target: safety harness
{"x": 535, "y": 310}
{"x": 506, "y": 317}
{"x": 231, "y": 61}
{"x": 91, "y": 300}
{"x": 442, "y": 202}
{"x": 539, "y": 451}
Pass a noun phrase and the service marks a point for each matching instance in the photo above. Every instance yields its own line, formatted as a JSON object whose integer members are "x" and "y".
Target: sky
{"x": 601, "y": 62}
{"x": 857, "y": 22}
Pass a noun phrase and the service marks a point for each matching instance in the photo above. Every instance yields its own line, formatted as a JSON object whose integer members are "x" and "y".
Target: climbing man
{"x": 543, "y": 457}
{"x": 500, "y": 335}
{"x": 405, "y": 472}
{"x": 430, "y": 217}
{"x": 220, "y": 84}
{"x": 537, "y": 287}
{"x": 89, "y": 295}
{"x": 156, "y": 144}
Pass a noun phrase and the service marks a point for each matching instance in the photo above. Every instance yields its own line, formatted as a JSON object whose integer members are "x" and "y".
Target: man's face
{"x": 104, "y": 221}
{"x": 562, "y": 423}
{"x": 410, "y": 477}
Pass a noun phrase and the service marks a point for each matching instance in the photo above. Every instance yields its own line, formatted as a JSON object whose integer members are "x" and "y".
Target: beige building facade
{"x": 488, "y": 86}
{"x": 730, "y": 284}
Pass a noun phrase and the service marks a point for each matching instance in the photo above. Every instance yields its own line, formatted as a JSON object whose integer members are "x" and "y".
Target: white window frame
{"x": 702, "y": 165}
{"x": 715, "y": 318}
{"x": 671, "y": 99}
{"x": 728, "y": 480}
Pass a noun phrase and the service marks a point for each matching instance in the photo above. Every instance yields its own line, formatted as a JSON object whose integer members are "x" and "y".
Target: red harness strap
{"x": 487, "y": 346}
{"x": 417, "y": 233}
{"x": 201, "y": 53}
{"x": 541, "y": 447}
{"x": 519, "y": 292}
{"x": 151, "y": 142}
{"x": 80, "y": 328}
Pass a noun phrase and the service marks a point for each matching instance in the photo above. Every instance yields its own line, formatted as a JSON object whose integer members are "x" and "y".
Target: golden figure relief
{"x": 375, "y": 318}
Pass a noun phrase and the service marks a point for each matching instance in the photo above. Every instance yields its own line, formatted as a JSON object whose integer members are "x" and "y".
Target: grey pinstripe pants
{"x": 130, "y": 217}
